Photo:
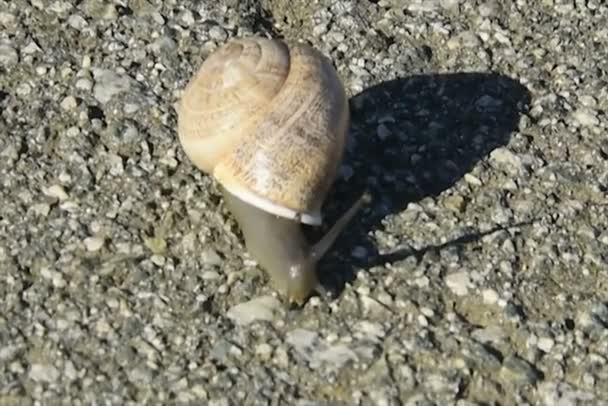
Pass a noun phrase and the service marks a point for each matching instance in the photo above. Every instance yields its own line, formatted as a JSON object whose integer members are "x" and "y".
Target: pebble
{"x": 467, "y": 39}
{"x": 586, "y": 117}
{"x": 77, "y": 22}
{"x": 370, "y": 331}
{"x": 449, "y": 4}
{"x": 545, "y": 344}
{"x": 317, "y": 352}
{"x": 563, "y": 394}
{"x": 187, "y": 18}
{"x": 209, "y": 256}
{"x": 488, "y": 8}
{"x": 490, "y": 334}
{"x": 93, "y": 243}
{"x": 472, "y": 180}
{"x": 84, "y": 84}
{"x": 41, "y": 209}
{"x": 503, "y": 156}
{"x": 43, "y": 373}
{"x": 158, "y": 260}
{"x": 490, "y": 296}
{"x": 305, "y": 342}
{"x": 55, "y": 277}
{"x": 218, "y": 33}
{"x": 210, "y": 275}
{"x": 588, "y": 101}
{"x": 263, "y": 351}
{"x": 334, "y": 357}
{"x": 485, "y": 356}
{"x": 319, "y": 29}
{"x": 69, "y": 103}
{"x": 603, "y": 238}
{"x": 265, "y": 308}
{"x": 24, "y": 89}
{"x": 593, "y": 317}
{"x": 31, "y": 48}
{"x": 222, "y": 349}
{"x": 515, "y": 369}
{"x": 109, "y": 84}
{"x": 6, "y": 19}
{"x": 458, "y": 282}
{"x": 455, "y": 203}
{"x": 56, "y": 191}
{"x": 8, "y": 55}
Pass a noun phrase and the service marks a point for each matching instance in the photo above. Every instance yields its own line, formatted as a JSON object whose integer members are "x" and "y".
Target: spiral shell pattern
{"x": 269, "y": 121}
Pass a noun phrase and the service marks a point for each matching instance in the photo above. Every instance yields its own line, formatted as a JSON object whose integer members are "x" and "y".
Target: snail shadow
{"x": 411, "y": 138}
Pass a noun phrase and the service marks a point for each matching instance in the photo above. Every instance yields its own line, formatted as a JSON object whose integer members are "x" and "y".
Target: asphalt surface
{"x": 477, "y": 276}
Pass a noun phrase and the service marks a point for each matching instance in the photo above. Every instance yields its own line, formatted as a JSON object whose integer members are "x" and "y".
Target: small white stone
{"x": 209, "y": 256}
{"x": 6, "y": 19}
{"x": 69, "y": 206}
{"x": 93, "y": 243}
{"x": 545, "y": 344}
{"x": 504, "y": 156}
{"x": 427, "y": 311}
{"x": 109, "y": 84}
{"x": 586, "y": 117}
{"x": 588, "y": 101}
{"x": 41, "y": 209}
{"x": 56, "y": 191}
{"x": 370, "y": 331}
{"x": 86, "y": 62}
{"x": 265, "y": 308}
{"x": 422, "y": 282}
{"x": 472, "y": 179}
{"x": 84, "y": 84}
{"x": 8, "y": 55}
{"x": 158, "y": 260}
{"x": 458, "y": 282}
{"x": 31, "y": 48}
{"x": 449, "y": 4}
{"x": 263, "y": 351}
{"x": 490, "y": 296}
{"x": 69, "y": 103}
{"x": 24, "y": 89}
{"x": 218, "y": 33}
{"x": 43, "y": 373}
{"x": 65, "y": 177}
{"x": 319, "y": 30}
{"x": 334, "y": 357}
{"x": 187, "y": 18}
{"x": 210, "y": 275}
{"x": 77, "y": 22}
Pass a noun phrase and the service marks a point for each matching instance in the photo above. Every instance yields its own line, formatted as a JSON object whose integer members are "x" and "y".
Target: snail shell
{"x": 269, "y": 121}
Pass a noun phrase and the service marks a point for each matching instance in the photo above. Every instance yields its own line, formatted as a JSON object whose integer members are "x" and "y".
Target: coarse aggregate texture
{"x": 478, "y": 275}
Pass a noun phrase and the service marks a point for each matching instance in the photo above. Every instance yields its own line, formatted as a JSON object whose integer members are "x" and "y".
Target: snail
{"x": 269, "y": 121}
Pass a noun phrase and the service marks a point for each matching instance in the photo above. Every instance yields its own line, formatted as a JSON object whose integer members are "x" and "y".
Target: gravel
{"x": 478, "y": 275}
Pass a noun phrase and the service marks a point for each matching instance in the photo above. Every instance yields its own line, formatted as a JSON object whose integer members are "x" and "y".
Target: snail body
{"x": 269, "y": 122}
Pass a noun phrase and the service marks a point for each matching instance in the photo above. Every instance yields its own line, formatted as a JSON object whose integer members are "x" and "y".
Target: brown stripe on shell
{"x": 291, "y": 156}
{"x": 221, "y": 107}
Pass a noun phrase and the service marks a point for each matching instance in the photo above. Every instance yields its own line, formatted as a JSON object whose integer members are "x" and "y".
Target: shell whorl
{"x": 269, "y": 121}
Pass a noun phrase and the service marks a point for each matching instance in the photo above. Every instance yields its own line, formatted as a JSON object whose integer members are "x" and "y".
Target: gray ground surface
{"x": 477, "y": 276}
